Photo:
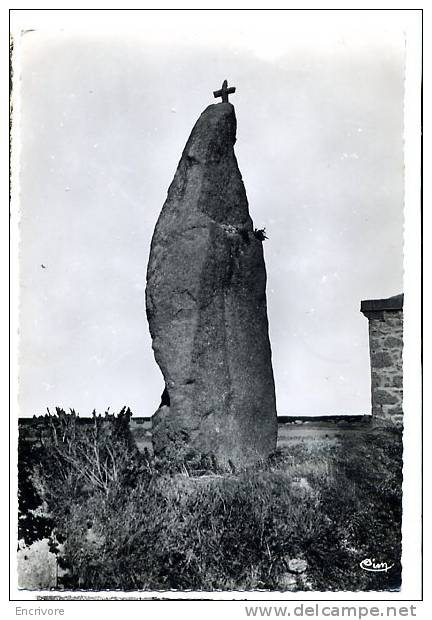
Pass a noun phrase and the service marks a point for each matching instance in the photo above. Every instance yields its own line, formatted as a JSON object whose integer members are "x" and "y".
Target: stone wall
{"x": 386, "y": 344}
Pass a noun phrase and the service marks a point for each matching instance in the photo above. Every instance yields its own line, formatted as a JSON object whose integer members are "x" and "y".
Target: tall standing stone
{"x": 206, "y": 306}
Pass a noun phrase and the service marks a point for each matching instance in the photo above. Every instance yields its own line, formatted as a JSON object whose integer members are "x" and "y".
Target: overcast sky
{"x": 104, "y": 119}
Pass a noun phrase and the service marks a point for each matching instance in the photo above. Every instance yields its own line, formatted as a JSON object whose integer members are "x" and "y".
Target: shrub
{"x": 32, "y": 524}
{"x": 260, "y": 234}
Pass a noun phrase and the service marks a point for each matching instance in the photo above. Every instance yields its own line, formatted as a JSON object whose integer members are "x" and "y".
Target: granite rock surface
{"x": 206, "y": 306}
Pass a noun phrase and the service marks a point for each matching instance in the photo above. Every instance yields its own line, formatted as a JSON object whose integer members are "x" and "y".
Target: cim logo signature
{"x": 372, "y": 566}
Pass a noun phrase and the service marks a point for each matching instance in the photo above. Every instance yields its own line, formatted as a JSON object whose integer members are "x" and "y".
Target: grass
{"x": 144, "y": 524}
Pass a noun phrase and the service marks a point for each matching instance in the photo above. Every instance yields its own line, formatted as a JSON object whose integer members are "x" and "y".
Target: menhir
{"x": 206, "y": 307}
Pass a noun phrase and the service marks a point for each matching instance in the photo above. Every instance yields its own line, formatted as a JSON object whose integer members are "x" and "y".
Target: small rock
{"x": 287, "y": 581}
{"x": 301, "y": 483}
{"x": 297, "y": 565}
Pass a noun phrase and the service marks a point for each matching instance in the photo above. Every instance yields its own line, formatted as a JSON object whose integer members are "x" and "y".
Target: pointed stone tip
{"x": 221, "y": 107}
{"x": 219, "y": 111}
{"x": 216, "y": 125}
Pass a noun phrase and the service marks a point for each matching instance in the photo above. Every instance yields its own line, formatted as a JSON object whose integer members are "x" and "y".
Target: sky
{"x": 104, "y": 115}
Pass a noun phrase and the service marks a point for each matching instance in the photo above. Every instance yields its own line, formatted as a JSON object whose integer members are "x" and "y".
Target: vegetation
{"x": 260, "y": 234}
{"x": 126, "y": 520}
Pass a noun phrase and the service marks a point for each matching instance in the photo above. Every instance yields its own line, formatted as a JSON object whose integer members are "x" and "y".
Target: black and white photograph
{"x": 213, "y": 223}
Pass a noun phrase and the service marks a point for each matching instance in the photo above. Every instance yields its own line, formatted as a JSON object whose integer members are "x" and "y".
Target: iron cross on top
{"x": 224, "y": 91}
